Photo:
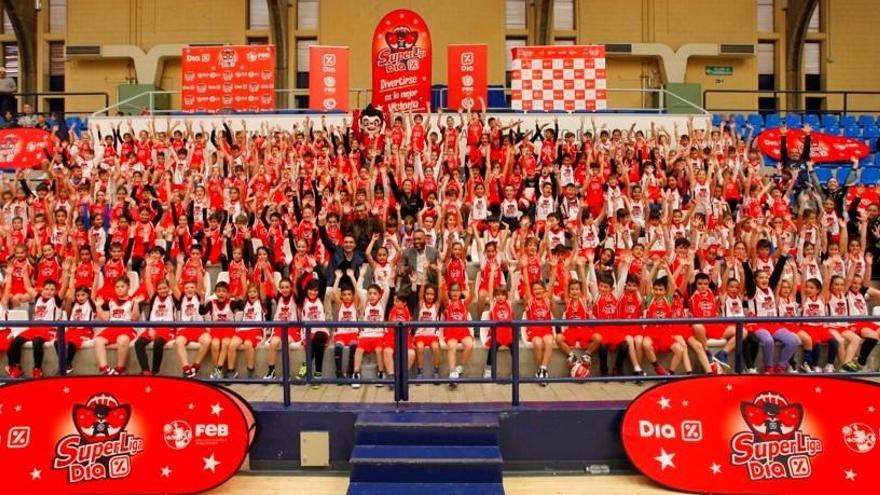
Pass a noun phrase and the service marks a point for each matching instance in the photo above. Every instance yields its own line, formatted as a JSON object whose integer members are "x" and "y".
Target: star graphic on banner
{"x": 216, "y": 409}
{"x": 871, "y": 409}
{"x": 729, "y": 387}
{"x": 665, "y": 460}
{"x": 210, "y": 463}
{"x": 148, "y": 389}
{"x": 684, "y": 403}
{"x": 1, "y": 408}
{"x": 818, "y": 390}
{"x": 715, "y": 468}
{"x": 664, "y": 403}
{"x": 850, "y": 475}
{"x": 18, "y": 408}
{"x": 35, "y": 474}
{"x": 66, "y": 390}
{"x": 191, "y": 406}
{"x": 166, "y": 472}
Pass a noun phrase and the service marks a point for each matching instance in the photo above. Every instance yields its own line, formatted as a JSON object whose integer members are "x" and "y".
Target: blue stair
{"x": 426, "y": 453}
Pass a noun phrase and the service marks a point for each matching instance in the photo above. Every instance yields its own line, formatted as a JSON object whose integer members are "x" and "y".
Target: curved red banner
{"x": 25, "y": 147}
{"x": 825, "y": 148}
{"x": 402, "y": 63}
{"x": 757, "y": 434}
{"x": 120, "y": 435}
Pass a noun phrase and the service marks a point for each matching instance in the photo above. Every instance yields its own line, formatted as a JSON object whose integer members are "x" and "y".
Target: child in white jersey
{"x": 121, "y": 309}
{"x": 284, "y": 311}
{"x": 191, "y": 310}
{"x": 163, "y": 308}
{"x": 426, "y": 337}
{"x": 248, "y": 336}
{"x": 371, "y": 339}
{"x": 47, "y": 307}
{"x": 312, "y": 310}
{"x": 347, "y": 309}
{"x": 79, "y": 307}
{"x": 222, "y": 309}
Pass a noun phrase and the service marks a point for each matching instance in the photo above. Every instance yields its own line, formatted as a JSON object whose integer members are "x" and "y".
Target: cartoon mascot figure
{"x": 368, "y": 127}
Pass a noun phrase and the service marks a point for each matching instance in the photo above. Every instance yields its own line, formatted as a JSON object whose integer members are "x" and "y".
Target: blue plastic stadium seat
{"x": 833, "y": 130}
{"x": 866, "y": 161}
{"x": 793, "y": 120}
{"x": 852, "y": 131}
{"x": 870, "y": 176}
{"x": 866, "y": 120}
{"x": 756, "y": 120}
{"x": 823, "y": 173}
{"x": 773, "y": 120}
{"x": 740, "y": 120}
{"x": 812, "y": 119}
{"x": 847, "y": 120}
{"x": 74, "y": 123}
{"x": 877, "y": 159}
{"x": 870, "y": 131}
{"x": 829, "y": 120}
{"x": 717, "y": 119}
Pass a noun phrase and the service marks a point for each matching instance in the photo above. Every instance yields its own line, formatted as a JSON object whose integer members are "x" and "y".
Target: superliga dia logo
{"x": 774, "y": 447}
{"x": 101, "y": 448}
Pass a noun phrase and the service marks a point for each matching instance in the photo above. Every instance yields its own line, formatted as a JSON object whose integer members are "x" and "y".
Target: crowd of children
{"x": 397, "y": 218}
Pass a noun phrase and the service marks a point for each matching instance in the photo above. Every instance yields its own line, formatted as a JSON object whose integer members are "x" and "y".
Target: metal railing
{"x": 780, "y": 104}
{"x": 401, "y": 380}
{"x": 40, "y": 98}
{"x": 359, "y": 98}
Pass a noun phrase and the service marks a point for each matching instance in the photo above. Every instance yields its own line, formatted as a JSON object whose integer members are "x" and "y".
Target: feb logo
{"x": 774, "y": 447}
{"x": 177, "y": 434}
{"x": 101, "y": 448}
{"x": 859, "y": 437}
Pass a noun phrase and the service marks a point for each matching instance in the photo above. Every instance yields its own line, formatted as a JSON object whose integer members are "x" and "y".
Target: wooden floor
{"x": 443, "y": 394}
{"x": 513, "y": 485}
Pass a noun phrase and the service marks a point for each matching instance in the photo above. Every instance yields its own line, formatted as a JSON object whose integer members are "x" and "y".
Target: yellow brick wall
{"x": 852, "y": 51}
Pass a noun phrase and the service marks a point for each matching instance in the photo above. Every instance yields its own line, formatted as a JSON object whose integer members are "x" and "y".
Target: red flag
{"x": 402, "y": 63}
{"x": 328, "y": 78}
{"x": 468, "y": 74}
{"x": 825, "y": 148}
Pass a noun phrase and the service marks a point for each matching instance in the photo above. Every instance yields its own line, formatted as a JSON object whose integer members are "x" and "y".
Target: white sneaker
{"x": 454, "y": 374}
{"x": 459, "y": 369}
{"x": 356, "y": 376}
{"x": 487, "y": 373}
{"x": 751, "y": 371}
{"x": 817, "y": 369}
{"x": 806, "y": 368}
{"x": 829, "y": 368}
{"x": 790, "y": 369}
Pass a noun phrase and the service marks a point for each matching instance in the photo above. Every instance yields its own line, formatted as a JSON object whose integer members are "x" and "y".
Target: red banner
{"x": 402, "y": 63}
{"x": 25, "y": 147}
{"x": 468, "y": 75}
{"x": 559, "y": 78}
{"x": 240, "y": 78}
{"x": 120, "y": 435}
{"x": 825, "y": 148}
{"x": 757, "y": 434}
{"x": 328, "y": 78}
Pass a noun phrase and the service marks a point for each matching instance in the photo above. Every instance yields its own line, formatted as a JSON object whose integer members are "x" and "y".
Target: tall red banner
{"x": 240, "y": 78}
{"x": 402, "y": 63}
{"x": 757, "y": 434}
{"x": 468, "y": 75}
{"x": 121, "y": 435}
{"x": 824, "y": 148}
{"x": 328, "y": 78}
{"x": 559, "y": 78}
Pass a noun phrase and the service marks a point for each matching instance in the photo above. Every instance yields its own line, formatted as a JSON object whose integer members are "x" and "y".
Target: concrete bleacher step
{"x": 426, "y": 429}
{"x": 426, "y": 453}
{"x": 425, "y": 488}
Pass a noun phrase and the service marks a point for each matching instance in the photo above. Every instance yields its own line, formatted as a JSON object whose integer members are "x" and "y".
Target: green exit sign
{"x": 719, "y": 70}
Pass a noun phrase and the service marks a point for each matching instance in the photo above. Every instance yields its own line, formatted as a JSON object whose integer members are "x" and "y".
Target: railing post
{"x": 60, "y": 341}
{"x": 285, "y": 364}
{"x": 845, "y": 101}
{"x": 399, "y": 365}
{"x": 307, "y": 342}
{"x": 738, "y": 360}
{"x": 493, "y": 351}
{"x": 514, "y": 367}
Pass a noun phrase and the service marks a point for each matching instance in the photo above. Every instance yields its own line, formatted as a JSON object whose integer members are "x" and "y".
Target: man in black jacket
{"x": 796, "y": 162}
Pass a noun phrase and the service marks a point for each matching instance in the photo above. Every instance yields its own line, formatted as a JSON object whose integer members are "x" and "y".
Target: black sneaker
{"x": 380, "y": 376}
{"x": 270, "y": 374}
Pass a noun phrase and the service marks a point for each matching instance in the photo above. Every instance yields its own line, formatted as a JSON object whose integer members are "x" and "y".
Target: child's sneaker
{"x": 216, "y": 374}
{"x": 355, "y": 376}
{"x": 146, "y": 373}
{"x": 317, "y": 376}
{"x": 14, "y": 371}
{"x": 37, "y": 373}
{"x": 270, "y": 374}
{"x": 721, "y": 358}
{"x": 303, "y": 370}
{"x": 191, "y": 372}
{"x": 119, "y": 370}
{"x": 660, "y": 370}
{"x": 380, "y": 376}
{"x": 230, "y": 375}
{"x": 714, "y": 368}
{"x": 829, "y": 368}
{"x": 487, "y": 373}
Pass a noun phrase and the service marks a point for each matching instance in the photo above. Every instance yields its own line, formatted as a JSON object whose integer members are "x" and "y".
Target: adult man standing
{"x": 420, "y": 259}
{"x": 7, "y": 92}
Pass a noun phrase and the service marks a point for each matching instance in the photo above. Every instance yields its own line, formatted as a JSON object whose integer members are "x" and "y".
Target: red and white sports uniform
{"x": 221, "y": 311}
{"x": 285, "y": 310}
{"x": 118, "y": 310}
{"x": 313, "y": 310}
{"x": 763, "y": 305}
{"x": 372, "y": 338}
{"x": 398, "y": 314}
{"x": 161, "y": 310}
{"x": 346, "y": 335}
{"x": 538, "y": 309}
{"x": 705, "y": 305}
{"x": 814, "y": 307}
{"x": 576, "y": 336}
{"x": 662, "y": 335}
{"x": 252, "y": 312}
{"x": 456, "y": 311}
{"x": 427, "y": 335}
{"x": 190, "y": 310}
{"x": 859, "y": 307}
{"x": 44, "y": 310}
{"x": 79, "y": 335}
{"x": 501, "y": 311}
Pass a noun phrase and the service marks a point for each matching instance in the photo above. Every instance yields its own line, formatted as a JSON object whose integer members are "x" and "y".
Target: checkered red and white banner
{"x": 566, "y": 78}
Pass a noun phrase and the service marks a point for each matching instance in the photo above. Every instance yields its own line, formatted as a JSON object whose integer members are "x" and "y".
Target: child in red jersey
{"x": 399, "y": 313}
{"x": 248, "y": 336}
{"x": 501, "y": 310}
{"x": 427, "y": 337}
{"x": 47, "y": 307}
{"x": 663, "y": 338}
{"x": 18, "y": 288}
{"x": 284, "y": 311}
{"x": 119, "y": 308}
{"x": 577, "y": 306}
{"x": 113, "y": 270}
{"x": 456, "y": 307}
{"x": 222, "y": 309}
{"x": 703, "y": 304}
{"x": 348, "y": 309}
{"x": 191, "y": 310}
{"x": 163, "y": 308}
{"x": 537, "y": 302}
{"x": 371, "y": 339}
